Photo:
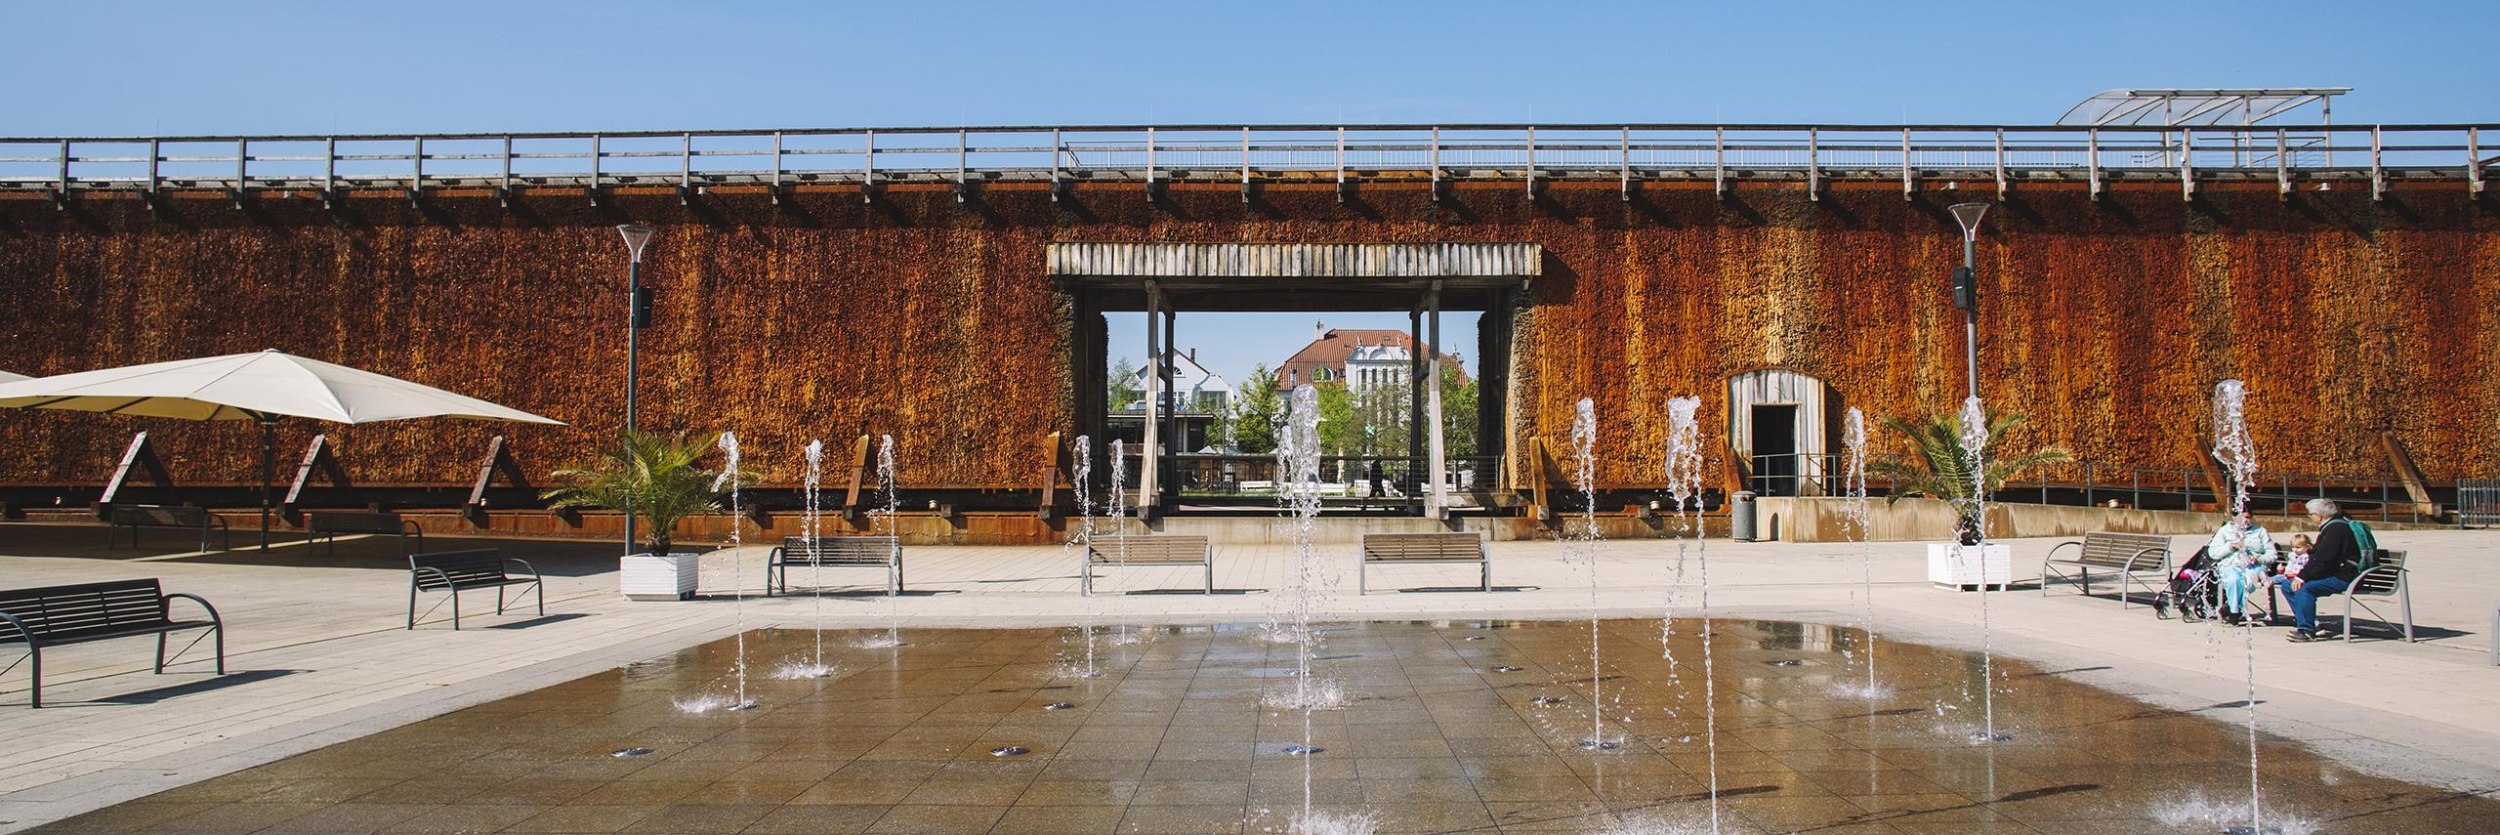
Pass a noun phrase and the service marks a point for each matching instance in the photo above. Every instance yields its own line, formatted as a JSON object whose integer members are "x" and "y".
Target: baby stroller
{"x": 2192, "y": 592}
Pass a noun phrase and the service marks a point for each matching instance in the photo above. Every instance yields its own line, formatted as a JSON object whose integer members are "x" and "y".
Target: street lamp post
{"x": 1966, "y": 288}
{"x": 638, "y": 316}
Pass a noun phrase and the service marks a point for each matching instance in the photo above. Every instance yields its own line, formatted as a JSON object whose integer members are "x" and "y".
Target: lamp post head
{"x": 636, "y": 237}
{"x": 1968, "y": 215}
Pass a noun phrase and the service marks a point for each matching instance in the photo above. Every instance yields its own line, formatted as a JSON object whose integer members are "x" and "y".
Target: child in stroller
{"x": 2193, "y": 591}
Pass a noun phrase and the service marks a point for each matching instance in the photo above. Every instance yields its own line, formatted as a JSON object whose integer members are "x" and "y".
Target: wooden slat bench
{"x": 1423, "y": 548}
{"x": 55, "y": 615}
{"x": 328, "y": 524}
{"x": 458, "y": 571}
{"x": 835, "y": 551}
{"x": 2131, "y": 556}
{"x": 139, "y": 516}
{"x": 2384, "y": 580}
{"x": 1118, "y": 550}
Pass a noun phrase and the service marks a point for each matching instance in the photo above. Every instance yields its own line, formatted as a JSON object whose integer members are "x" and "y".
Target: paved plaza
{"x": 318, "y": 654}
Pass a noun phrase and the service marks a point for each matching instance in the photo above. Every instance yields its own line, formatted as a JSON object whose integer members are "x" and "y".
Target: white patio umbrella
{"x": 261, "y": 387}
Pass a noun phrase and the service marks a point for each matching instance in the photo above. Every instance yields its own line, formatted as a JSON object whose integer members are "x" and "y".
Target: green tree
{"x": 656, "y": 477}
{"x": 1938, "y": 466}
{"x": 1458, "y": 413}
{"x": 1256, "y": 411}
{"x": 1340, "y": 423}
{"x": 1124, "y": 388}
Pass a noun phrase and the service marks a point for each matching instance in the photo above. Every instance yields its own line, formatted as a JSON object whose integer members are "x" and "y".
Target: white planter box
{"x": 648, "y": 577}
{"x": 1962, "y": 566}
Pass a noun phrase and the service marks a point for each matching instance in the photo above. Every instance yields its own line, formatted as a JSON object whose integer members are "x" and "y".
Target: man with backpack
{"x": 2333, "y": 563}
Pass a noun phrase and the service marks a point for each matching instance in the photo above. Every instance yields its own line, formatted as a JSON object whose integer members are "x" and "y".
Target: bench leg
{"x": 412, "y": 603}
{"x": 499, "y": 600}
{"x": 2404, "y": 604}
{"x": 541, "y": 587}
{"x": 34, "y": 676}
{"x": 1085, "y": 578}
{"x": 1362, "y": 577}
{"x": 455, "y": 609}
{"x": 160, "y": 653}
{"x": 1210, "y": 576}
{"x": 1488, "y": 575}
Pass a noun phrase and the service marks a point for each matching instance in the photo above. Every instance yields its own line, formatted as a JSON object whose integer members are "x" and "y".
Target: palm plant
{"x": 1939, "y": 465}
{"x": 657, "y": 477}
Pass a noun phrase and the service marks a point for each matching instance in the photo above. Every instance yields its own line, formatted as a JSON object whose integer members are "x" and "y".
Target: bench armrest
{"x": 167, "y": 607}
{"x": 2053, "y": 549}
{"x": 31, "y": 640}
{"x": 410, "y": 527}
{"x": 533, "y": 570}
{"x": 211, "y": 520}
{"x": 2163, "y": 558}
{"x": 774, "y": 555}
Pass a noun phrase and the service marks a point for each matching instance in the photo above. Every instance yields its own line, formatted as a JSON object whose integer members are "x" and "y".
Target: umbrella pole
{"x": 268, "y": 474}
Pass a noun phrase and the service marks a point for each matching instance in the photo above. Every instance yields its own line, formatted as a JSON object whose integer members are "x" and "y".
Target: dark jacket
{"x": 2334, "y": 554}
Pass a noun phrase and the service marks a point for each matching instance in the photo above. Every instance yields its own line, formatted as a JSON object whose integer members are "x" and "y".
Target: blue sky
{"x": 122, "y": 68}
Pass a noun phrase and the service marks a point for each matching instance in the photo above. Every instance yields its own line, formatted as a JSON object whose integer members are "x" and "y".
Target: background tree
{"x": 1256, "y": 411}
{"x": 1124, "y": 387}
{"x": 1458, "y": 413}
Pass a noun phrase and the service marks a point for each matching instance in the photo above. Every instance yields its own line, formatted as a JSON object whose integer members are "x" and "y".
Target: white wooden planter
{"x": 1962, "y": 566}
{"x": 650, "y": 577}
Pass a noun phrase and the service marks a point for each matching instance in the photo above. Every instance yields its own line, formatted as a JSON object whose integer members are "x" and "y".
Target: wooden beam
{"x": 317, "y": 457}
{"x": 1054, "y": 465}
{"x": 860, "y": 464}
{"x": 498, "y": 460}
{"x": 140, "y": 456}
{"x": 2416, "y": 487}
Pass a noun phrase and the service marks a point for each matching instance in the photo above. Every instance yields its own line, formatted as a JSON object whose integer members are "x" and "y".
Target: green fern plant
{"x": 659, "y": 478}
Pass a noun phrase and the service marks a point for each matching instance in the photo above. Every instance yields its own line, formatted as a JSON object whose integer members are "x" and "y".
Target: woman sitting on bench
{"x": 2241, "y": 551}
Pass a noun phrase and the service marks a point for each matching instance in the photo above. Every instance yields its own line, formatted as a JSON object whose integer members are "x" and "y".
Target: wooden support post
{"x": 317, "y": 458}
{"x": 1150, "y": 464}
{"x": 140, "y": 456}
{"x": 1054, "y": 472}
{"x": 1540, "y": 469}
{"x": 498, "y": 460}
{"x": 861, "y": 464}
{"x": 1437, "y": 496}
{"x": 2416, "y": 487}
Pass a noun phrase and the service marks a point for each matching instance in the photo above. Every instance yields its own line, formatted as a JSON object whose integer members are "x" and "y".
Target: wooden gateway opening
{"x": 1421, "y": 280}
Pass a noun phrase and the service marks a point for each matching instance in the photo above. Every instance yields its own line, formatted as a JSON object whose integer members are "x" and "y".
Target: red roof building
{"x": 1326, "y": 358}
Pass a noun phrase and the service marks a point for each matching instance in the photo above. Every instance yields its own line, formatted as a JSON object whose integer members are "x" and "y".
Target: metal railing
{"x": 2478, "y": 502}
{"x": 1723, "y": 154}
{"x": 2151, "y": 488}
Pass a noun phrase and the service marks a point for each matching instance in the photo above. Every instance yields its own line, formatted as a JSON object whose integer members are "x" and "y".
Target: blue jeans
{"x": 2305, "y": 600}
{"x": 2237, "y": 582}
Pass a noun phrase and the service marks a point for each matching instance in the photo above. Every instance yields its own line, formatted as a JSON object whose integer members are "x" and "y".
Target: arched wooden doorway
{"x": 1780, "y": 428}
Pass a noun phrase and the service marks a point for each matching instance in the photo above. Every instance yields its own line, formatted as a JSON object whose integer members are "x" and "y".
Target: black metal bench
{"x": 328, "y": 524}
{"x": 139, "y": 516}
{"x": 836, "y": 551}
{"x": 1118, "y": 550}
{"x": 458, "y": 571}
{"x": 2131, "y": 556}
{"x": 2384, "y": 580}
{"x": 1422, "y": 548}
{"x": 55, "y": 615}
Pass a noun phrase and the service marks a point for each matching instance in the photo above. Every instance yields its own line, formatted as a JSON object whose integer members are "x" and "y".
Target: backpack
{"x": 2364, "y": 544}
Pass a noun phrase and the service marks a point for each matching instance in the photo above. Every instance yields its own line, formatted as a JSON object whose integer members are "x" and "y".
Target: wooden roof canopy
{"x": 1295, "y": 277}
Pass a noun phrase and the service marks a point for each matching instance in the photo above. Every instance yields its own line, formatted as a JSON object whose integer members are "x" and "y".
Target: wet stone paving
{"x": 1437, "y": 733}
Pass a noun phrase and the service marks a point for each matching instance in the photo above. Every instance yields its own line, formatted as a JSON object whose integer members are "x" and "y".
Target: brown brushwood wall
{"x": 2106, "y": 321}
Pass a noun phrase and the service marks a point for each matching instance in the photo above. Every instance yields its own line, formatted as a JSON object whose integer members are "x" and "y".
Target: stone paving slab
{"x": 320, "y": 656}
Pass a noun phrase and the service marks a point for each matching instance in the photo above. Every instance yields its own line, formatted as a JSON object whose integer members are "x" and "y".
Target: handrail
{"x": 965, "y": 156}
